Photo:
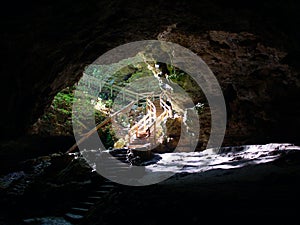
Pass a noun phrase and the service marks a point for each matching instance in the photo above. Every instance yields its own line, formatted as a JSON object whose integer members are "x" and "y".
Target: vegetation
{"x": 199, "y": 107}
{"x": 57, "y": 120}
{"x": 107, "y": 136}
{"x": 186, "y": 82}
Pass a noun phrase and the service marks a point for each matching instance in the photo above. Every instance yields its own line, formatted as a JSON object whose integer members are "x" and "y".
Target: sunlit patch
{"x": 195, "y": 162}
{"x": 159, "y": 90}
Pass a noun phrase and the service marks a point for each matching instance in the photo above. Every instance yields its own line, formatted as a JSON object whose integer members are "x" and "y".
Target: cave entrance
{"x": 144, "y": 97}
{"x": 149, "y": 84}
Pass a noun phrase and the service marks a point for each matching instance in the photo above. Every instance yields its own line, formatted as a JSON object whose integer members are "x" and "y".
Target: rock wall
{"x": 260, "y": 89}
{"x": 46, "y": 45}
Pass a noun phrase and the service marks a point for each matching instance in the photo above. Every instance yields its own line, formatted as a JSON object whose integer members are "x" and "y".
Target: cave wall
{"x": 261, "y": 90}
{"x": 46, "y": 45}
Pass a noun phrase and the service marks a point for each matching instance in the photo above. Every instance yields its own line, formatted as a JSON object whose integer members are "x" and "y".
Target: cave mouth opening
{"x": 247, "y": 121}
{"x": 106, "y": 99}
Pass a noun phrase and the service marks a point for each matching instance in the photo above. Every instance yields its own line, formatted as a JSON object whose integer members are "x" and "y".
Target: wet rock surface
{"x": 239, "y": 180}
{"x": 44, "y": 186}
{"x": 262, "y": 192}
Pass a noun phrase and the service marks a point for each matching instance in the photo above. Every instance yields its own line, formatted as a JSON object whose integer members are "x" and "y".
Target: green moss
{"x": 57, "y": 119}
{"x": 107, "y": 136}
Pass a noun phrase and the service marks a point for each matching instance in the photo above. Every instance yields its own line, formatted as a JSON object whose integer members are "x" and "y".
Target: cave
{"x": 252, "y": 48}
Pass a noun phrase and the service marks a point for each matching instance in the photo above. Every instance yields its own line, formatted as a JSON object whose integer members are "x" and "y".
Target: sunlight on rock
{"x": 223, "y": 158}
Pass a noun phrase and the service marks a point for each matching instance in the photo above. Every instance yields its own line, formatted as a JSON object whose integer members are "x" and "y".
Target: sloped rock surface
{"x": 262, "y": 192}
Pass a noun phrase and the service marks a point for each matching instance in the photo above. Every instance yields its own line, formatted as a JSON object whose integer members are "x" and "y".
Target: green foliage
{"x": 136, "y": 76}
{"x": 199, "y": 107}
{"x": 123, "y": 67}
{"x": 171, "y": 69}
{"x": 175, "y": 74}
{"x": 107, "y": 136}
{"x": 141, "y": 71}
{"x": 177, "y": 77}
{"x": 99, "y": 117}
{"x": 57, "y": 118}
{"x": 109, "y": 103}
{"x": 63, "y": 101}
